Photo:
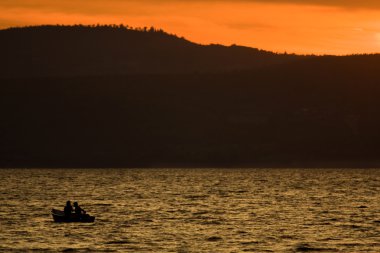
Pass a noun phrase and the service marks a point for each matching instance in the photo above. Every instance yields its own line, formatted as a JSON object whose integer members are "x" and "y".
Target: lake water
{"x": 193, "y": 210}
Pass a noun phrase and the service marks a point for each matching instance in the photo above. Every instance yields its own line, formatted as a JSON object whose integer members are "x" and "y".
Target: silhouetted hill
{"x": 304, "y": 112}
{"x": 110, "y": 50}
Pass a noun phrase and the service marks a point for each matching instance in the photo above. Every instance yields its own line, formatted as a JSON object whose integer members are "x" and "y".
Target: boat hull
{"x": 59, "y": 216}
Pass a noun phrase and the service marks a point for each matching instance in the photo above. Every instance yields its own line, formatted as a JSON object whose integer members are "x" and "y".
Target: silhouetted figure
{"x": 68, "y": 209}
{"x": 78, "y": 210}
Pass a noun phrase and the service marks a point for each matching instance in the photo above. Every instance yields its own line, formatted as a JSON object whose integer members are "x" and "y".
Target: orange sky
{"x": 300, "y": 26}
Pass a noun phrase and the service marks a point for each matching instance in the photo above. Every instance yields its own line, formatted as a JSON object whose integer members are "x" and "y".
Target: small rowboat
{"x": 59, "y": 216}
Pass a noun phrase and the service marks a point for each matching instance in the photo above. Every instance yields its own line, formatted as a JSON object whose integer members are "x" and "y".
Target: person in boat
{"x": 68, "y": 209}
{"x": 78, "y": 210}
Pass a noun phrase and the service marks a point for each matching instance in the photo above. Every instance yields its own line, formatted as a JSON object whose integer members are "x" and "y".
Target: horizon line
{"x": 149, "y": 29}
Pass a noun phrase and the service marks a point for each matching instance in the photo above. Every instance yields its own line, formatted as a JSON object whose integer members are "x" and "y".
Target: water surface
{"x": 193, "y": 210}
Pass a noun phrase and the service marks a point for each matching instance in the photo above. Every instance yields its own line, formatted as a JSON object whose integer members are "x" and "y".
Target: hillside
{"x": 289, "y": 112}
{"x": 110, "y": 50}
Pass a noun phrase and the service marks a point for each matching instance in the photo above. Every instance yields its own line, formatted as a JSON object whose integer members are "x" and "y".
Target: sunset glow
{"x": 320, "y": 27}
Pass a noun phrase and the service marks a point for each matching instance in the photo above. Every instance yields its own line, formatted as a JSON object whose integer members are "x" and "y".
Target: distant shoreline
{"x": 113, "y": 97}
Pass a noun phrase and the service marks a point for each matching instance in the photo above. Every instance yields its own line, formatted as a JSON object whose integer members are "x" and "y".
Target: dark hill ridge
{"x": 109, "y": 50}
{"x": 186, "y": 107}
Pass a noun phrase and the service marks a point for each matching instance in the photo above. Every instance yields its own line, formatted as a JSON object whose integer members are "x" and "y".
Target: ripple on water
{"x": 249, "y": 243}
{"x": 119, "y": 242}
{"x": 70, "y": 250}
{"x": 214, "y": 239}
{"x": 305, "y": 247}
